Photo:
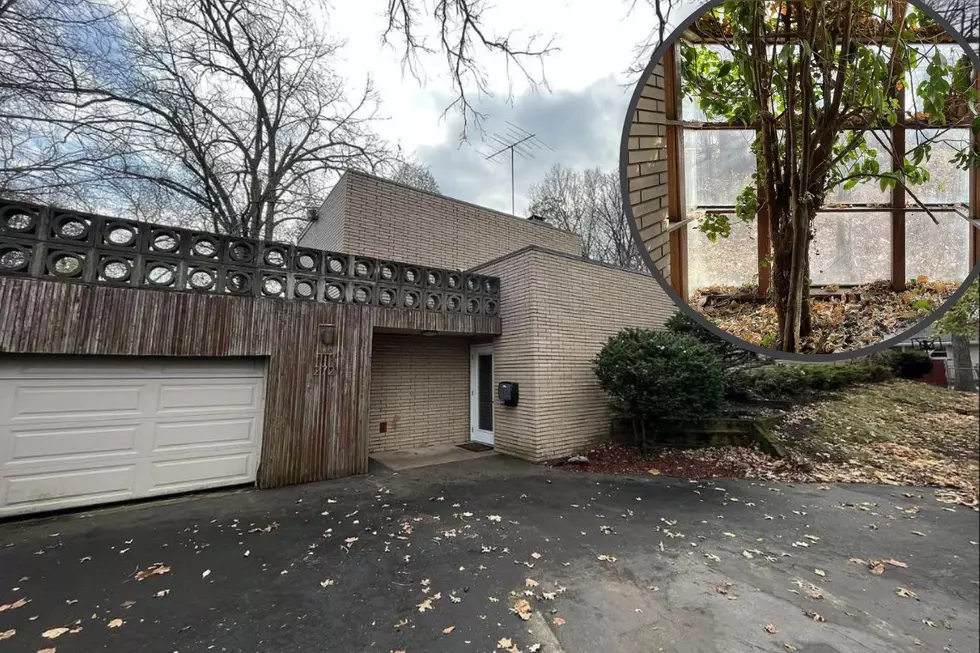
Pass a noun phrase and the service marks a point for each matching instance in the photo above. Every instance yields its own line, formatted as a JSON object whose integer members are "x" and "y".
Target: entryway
{"x": 481, "y": 394}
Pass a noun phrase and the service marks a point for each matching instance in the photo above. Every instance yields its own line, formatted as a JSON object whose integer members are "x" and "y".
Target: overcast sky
{"x": 581, "y": 117}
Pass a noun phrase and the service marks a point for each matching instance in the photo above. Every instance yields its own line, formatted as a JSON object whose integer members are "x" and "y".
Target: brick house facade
{"x": 556, "y": 309}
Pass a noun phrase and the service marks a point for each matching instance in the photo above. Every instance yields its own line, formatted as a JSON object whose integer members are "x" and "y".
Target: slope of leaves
{"x": 837, "y": 325}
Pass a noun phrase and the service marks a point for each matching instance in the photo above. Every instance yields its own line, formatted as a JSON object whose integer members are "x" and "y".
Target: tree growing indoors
{"x": 820, "y": 81}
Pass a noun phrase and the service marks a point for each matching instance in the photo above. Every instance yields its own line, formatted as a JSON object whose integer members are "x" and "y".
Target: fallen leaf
{"x": 746, "y": 554}
{"x": 558, "y": 621}
{"x": 402, "y": 623}
{"x": 877, "y": 568}
{"x": 905, "y": 593}
{"x": 207, "y": 572}
{"x": 820, "y": 572}
{"x": 448, "y": 630}
{"x": 7, "y": 634}
{"x": 814, "y": 616}
{"x": 493, "y": 517}
{"x": 771, "y": 629}
{"x": 548, "y": 596}
{"x": 162, "y": 593}
{"x": 530, "y": 582}
{"x": 47, "y": 650}
{"x": 522, "y": 609}
{"x": 155, "y": 569}
{"x": 919, "y": 533}
{"x": 504, "y": 643}
{"x": 536, "y": 556}
{"x": 896, "y": 563}
{"x": 268, "y": 529}
{"x": 326, "y": 583}
{"x": 653, "y": 472}
{"x": 534, "y": 648}
{"x": 115, "y": 623}
{"x": 54, "y": 633}
{"x": 425, "y": 605}
{"x": 605, "y": 558}
{"x": 19, "y": 603}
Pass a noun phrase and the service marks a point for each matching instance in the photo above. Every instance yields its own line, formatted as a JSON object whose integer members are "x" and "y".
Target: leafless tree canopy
{"x": 415, "y": 174}
{"x": 224, "y": 114}
{"x": 589, "y": 203}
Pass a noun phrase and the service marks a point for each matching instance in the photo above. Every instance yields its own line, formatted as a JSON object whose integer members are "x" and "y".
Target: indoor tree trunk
{"x": 790, "y": 277}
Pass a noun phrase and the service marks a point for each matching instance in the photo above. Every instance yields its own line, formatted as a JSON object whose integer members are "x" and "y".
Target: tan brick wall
{"x": 387, "y": 220}
{"x": 556, "y": 313}
{"x": 514, "y": 355}
{"x": 647, "y": 170}
{"x": 420, "y": 388}
{"x": 327, "y": 232}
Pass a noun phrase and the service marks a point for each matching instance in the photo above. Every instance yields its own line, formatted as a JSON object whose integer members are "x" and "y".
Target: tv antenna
{"x": 516, "y": 141}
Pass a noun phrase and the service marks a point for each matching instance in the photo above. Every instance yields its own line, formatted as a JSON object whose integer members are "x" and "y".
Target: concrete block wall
{"x": 387, "y": 220}
{"x": 420, "y": 390}
{"x": 646, "y": 170}
{"x": 557, "y": 313}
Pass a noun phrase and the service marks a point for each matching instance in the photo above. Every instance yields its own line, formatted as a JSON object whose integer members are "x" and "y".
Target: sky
{"x": 580, "y": 115}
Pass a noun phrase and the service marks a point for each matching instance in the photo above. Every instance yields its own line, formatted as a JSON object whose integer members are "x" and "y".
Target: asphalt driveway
{"x": 441, "y": 558}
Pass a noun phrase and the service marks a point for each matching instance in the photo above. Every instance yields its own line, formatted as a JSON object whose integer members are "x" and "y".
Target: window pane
{"x": 717, "y": 166}
{"x": 926, "y": 52}
{"x": 867, "y": 192}
{"x": 485, "y": 392}
{"x": 850, "y": 248}
{"x": 940, "y": 252}
{"x": 947, "y": 184}
{"x": 731, "y": 261}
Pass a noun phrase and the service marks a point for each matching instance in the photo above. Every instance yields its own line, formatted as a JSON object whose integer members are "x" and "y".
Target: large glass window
{"x": 717, "y": 166}
{"x": 947, "y": 184}
{"x": 940, "y": 252}
{"x": 728, "y": 261}
{"x": 850, "y": 248}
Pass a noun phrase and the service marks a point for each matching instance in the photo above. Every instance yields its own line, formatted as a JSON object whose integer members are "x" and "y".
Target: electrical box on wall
{"x": 507, "y": 392}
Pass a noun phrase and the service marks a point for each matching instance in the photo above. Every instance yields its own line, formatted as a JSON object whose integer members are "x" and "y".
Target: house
{"x": 940, "y": 350}
{"x": 556, "y": 310}
{"x": 140, "y": 360}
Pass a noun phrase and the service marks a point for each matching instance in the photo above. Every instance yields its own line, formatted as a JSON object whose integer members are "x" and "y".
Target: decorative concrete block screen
{"x": 55, "y": 244}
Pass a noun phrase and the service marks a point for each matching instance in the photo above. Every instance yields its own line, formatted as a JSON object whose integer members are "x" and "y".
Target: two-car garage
{"x": 85, "y": 430}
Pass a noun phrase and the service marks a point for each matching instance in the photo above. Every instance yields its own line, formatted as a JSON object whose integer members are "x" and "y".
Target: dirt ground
{"x": 895, "y": 433}
{"x": 837, "y": 325}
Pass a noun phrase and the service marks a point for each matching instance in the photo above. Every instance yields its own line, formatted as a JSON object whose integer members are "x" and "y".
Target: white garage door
{"x": 77, "y": 431}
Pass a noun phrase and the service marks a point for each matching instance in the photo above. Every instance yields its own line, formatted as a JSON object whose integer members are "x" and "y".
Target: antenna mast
{"x": 519, "y": 141}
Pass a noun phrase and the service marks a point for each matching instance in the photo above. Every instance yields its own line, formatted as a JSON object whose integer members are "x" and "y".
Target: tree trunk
{"x": 791, "y": 276}
{"x": 962, "y": 365}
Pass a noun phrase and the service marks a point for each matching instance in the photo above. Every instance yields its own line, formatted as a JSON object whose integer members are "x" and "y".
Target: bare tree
{"x": 590, "y": 204}
{"x": 415, "y": 174}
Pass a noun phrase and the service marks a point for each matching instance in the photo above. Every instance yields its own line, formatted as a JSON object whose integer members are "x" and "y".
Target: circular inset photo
{"x": 804, "y": 178}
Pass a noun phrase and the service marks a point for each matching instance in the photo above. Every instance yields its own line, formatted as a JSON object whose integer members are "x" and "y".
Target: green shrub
{"x": 653, "y": 376}
{"x": 730, "y": 354}
{"x": 792, "y": 382}
{"x": 905, "y": 363}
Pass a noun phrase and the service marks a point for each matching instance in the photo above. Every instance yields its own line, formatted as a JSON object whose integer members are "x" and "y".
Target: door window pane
{"x": 940, "y": 252}
{"x": 485, "y": 392}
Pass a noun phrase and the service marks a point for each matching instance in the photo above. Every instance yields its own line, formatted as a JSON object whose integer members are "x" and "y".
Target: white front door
{"x": 481, "y": 394}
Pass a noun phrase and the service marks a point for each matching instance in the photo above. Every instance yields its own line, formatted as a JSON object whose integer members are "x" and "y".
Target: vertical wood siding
{"x": 316, "y": 403}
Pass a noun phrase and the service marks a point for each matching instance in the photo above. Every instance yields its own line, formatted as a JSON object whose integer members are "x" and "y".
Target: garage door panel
{"x": 32, "y": 402}
{"x": 86, "y": 430}
{"x": 202, "y": 472}
{"x": 81, "y": 443}
{"x": 40, "y": 490}
{"x": 177, "y": 436}
{"x": 214, "y": 397}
